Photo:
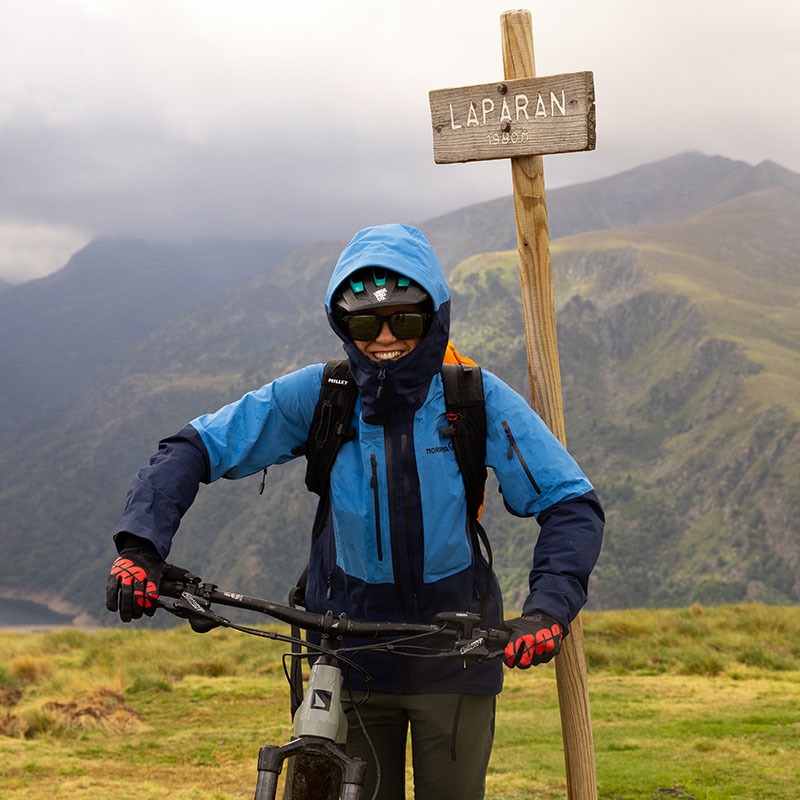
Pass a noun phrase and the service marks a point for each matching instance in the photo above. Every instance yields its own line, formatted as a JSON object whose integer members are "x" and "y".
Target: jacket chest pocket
{"x": 359, "y": 514}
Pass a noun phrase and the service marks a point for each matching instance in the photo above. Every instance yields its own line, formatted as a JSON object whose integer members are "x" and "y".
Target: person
{"x": 392, "y": 538}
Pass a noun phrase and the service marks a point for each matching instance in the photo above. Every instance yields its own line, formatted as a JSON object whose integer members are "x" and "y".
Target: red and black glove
{"x": 132, "y": 587}
{"x": 535, "y": 639}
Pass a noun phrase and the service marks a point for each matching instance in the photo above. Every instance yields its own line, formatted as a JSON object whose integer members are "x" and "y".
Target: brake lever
{"x": 198, "y": 611}
{"x": 194, "y": 607}
{"x": 472, "y": 648}
{"x": 473, "y": 641}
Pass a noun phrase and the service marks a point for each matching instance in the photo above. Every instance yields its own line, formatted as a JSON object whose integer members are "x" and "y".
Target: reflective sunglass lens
{"x": 407, "y": 326}
{"x": 363, "y": 328}
{"x": 404, "y": 325}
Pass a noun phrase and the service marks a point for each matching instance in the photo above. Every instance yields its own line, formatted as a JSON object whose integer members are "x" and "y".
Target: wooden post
{"x": 544, "y": 373}
{"x": 523, "y": 118}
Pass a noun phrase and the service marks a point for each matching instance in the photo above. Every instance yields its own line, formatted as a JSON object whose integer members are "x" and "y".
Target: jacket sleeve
{"x": 240, "y": 439}
{"x": 162, "y": 492}
{"x": 539, "y": 478}
{"x": 564, "y": 556}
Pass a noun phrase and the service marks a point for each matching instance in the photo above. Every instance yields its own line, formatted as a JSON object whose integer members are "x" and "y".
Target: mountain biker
{"x": 392, "y": 539}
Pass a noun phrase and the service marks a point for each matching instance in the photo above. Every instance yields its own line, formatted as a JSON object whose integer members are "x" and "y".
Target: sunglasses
{"x": 403, "y": 324}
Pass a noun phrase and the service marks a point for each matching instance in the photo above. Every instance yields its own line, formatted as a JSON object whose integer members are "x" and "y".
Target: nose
{"x": 385, "y": 334}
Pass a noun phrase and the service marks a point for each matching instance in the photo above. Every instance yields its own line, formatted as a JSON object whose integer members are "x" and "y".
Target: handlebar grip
{"x": 498, "y": 638}
{"x": 468, "y": 625}
{"x": 174, "y": 580}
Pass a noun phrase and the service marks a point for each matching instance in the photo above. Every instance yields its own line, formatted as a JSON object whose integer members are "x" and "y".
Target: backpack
{"x": 465, "y": 414}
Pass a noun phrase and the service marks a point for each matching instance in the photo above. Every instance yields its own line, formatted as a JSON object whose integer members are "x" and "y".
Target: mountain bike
{"x": 320, "y": 768}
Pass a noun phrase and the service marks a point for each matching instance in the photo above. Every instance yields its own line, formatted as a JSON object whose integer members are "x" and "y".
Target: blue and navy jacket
{"x": 393, "y": 540}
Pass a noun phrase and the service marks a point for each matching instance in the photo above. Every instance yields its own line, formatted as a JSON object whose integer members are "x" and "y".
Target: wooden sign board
{"x": 522, "y": 117}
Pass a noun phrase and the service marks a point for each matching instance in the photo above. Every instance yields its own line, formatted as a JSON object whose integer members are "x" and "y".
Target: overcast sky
{"x": 253, "y": 118}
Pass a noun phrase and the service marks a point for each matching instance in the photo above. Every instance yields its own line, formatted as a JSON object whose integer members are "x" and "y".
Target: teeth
{"x": 387, "y": 356}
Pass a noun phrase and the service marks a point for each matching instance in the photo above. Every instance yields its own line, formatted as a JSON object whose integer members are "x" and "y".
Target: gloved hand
{"x": 535, "y": 639}
{"x": 132, "y": 586}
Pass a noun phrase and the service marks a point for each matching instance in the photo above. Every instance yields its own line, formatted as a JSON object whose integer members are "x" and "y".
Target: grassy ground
{"x": 699, "y": 704}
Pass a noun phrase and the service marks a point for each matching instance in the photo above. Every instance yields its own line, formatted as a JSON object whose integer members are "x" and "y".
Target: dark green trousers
{"x": 385, "y": 722}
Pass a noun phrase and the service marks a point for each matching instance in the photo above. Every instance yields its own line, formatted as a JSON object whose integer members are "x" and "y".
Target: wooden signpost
{"x": 511, "y": 118}
{"x": 523, "y": 118}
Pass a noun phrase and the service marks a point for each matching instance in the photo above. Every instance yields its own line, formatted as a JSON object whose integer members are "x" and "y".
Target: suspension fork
{"x": 320, "y": 767}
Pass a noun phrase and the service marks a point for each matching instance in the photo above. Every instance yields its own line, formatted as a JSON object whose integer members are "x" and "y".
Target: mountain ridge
{"x": 655, "y": 368}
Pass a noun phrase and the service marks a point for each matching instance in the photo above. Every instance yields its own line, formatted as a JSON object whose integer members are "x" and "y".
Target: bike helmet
{"x": 375, "y": 287}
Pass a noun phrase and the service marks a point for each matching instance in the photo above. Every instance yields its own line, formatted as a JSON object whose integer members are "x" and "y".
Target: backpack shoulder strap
{"x": 330, "y": 426}
{"x": 465, "y": 412}
{"x": 466, "y": 416}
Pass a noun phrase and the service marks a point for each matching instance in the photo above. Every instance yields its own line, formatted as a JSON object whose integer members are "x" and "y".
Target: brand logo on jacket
{"x": 442, "y": 448}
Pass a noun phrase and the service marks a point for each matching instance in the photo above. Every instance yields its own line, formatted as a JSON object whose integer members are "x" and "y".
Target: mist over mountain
{"x": 56, "y": 331}
{"x": 677, "y": 293}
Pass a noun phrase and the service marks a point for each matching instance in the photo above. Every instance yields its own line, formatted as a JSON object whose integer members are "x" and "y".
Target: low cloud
{"x": 30, "y": 250}
{"x": 165, "y": 119}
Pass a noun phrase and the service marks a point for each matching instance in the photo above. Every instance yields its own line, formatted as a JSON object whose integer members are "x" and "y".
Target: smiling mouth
{"x": 388, "y": 355}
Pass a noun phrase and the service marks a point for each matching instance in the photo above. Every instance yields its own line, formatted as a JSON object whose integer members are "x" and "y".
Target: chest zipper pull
{"x": 381, "y": 379}
{"x": 511, "y": 442}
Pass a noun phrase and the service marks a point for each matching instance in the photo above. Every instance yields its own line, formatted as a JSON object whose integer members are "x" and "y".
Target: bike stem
{"x": 320, "y": 713}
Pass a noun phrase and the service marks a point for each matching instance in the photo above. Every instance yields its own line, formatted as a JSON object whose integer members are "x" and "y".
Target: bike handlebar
{"x": 194, "y": 598}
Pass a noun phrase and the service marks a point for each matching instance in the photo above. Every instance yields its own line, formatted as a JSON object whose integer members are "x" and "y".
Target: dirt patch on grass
{"x": 98, "y": 708}
{"x": 9, "y": 697}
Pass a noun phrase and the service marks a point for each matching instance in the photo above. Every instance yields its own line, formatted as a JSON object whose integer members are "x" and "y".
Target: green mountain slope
{"x": 679, "y": 357}
{"x": 679, "y": 349}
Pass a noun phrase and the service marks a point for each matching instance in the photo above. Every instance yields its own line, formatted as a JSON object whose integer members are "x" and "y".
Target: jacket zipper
{"x": 391, "y": 492}
{"x": 330, "y": 548}
{"x": 376, "y": 499}
{"x": 406, "y": 493}
{"x": 513, "y": 449}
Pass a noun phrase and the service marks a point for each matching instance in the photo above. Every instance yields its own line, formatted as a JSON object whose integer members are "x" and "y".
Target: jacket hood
{"x": 400, "y": 248}
{"x": 403, "y": 383}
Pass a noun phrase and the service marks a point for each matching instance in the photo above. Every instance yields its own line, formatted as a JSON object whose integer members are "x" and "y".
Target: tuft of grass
{"x": 100, "y": 707}
{"x": 30, "y": 668}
